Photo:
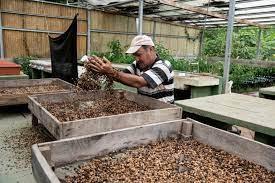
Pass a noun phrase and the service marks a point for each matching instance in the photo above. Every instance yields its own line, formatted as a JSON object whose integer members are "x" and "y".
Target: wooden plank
{"x": 247, "y": 111}
{"x": 198, "y": 80}
{"x": 250, "y": 150}
{"x": 15, "y": 99}
{"x": 86, "y": 147}
{"x": 114, "y": 122}
{"x": 24, "y": 82}
{"x": 47, "y": 119}
{"x": 206, "y": 12}
{"x": 268, "y": 91}
{"x": 42, "y": 172}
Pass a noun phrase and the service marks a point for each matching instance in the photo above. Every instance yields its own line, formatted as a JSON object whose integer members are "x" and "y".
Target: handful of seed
{"x": 92, "y": 80}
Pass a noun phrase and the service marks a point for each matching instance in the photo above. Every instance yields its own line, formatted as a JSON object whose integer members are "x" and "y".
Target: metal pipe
{"x": 259, "y": 44}
{"x": 44, "y": 16}
{"x": 60, "y": 4}
{"x": 149, "y": 34}
{"x": 154, "y": 31}
{"x": 227, "y": 57}
{"x": 2, "y": 54}
{"x": 201, "y": 43}
{"x": 39, "y": 31}
{"x": 89, "y": 32}
{"x": 140, "y": 17}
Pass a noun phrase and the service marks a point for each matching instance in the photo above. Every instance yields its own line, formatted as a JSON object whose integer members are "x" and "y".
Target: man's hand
{"x": 101, "y": 65}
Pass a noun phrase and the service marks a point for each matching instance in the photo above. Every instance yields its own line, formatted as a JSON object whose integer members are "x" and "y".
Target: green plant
{"x": 244, "y": 43}
{"x": 163, "y": 52}
{"x": 24, "y": 61}
{"x": 116, "y": 53}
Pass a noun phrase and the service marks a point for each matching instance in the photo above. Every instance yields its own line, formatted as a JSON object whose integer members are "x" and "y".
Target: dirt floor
{"x": 170, "y": 161}
{"x": 16, "y": 138}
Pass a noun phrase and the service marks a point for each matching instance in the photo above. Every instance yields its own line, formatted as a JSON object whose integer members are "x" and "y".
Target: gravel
{"x": 170, "y": 161}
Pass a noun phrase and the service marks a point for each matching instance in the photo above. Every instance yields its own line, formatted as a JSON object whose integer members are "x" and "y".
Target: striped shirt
{"x": 160, "y": 79}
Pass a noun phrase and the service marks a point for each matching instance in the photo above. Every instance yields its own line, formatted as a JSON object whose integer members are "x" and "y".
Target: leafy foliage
{"x": 244, "y": 43}
{"x": 25, "y": 63}
{"x": 116, "y": 53}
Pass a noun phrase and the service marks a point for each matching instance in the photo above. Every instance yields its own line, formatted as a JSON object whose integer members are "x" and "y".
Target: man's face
{"x": 144, "y": 57}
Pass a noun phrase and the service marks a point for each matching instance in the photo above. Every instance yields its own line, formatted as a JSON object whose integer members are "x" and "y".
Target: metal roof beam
{"x": 256, "y": 13}
{"x": 116, "y": 4}
{"x": 246, "y": 1}
{"x": 252, "y": 18}
{"x": 205, "y": 12}
{"x": 251, "y": 7}
{"x": 163, "y": 11}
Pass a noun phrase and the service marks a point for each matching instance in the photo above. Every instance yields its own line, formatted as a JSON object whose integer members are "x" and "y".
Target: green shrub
{"x": 244, "y": 43}
{"x": 24, "y": 61}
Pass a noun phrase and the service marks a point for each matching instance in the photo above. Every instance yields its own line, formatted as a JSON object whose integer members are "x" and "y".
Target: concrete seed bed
{"x": 234, "y": 158}
{"x": 158, "y": 112}
{"x": 14, "y": 92}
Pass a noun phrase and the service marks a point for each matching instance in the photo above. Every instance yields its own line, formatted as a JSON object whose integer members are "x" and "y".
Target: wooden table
{"x": 43, "y": 69}
{"x": 250, "y": 112}
{"x": 200, "y": 85}
{"x": 268, "y": 92}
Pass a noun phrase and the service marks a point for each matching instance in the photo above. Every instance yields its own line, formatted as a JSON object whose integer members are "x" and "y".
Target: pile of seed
{"x": 170, "y": 161}
{"x": 31, "y": 89}
{"x": 19, "y": 141}
{"x": 92, "y": 80}
{"x": 82, "y": 109}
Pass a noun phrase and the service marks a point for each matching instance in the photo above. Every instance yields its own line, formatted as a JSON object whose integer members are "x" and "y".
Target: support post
{"x": 154, "y": 31}
{"x": 1, "y": 38}
{"x": 201, "y": 43}
{"x": 89, "y": 32}
{"x": 258, "y": 53}
{"x": 227, "y": 58}
{"x": 140, "y": 17}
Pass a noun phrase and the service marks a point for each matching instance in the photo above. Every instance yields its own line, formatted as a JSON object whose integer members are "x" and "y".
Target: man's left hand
{"x": 101, "y": 65}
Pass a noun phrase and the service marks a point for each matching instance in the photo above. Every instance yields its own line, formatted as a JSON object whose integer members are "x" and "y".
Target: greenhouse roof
{"x": 198, "y": 13}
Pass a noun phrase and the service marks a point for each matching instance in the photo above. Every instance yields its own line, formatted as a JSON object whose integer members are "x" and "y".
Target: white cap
{"x": 139, "y": 41}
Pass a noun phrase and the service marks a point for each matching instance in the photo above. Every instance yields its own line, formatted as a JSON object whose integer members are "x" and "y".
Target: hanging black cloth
{"x": 64, "y": 54}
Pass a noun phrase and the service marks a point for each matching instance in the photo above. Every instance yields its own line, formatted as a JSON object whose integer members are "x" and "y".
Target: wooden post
{"x": 1, "y": 38}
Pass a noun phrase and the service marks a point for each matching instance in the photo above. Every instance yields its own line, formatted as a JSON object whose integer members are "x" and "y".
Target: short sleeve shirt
{"x": 160, "y": 79}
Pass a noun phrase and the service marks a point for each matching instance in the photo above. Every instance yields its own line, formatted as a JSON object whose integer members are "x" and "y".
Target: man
{"x": 151, "y": 76}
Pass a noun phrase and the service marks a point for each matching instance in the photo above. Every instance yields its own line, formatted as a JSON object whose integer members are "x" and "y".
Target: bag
{"x": 64, "y": 54}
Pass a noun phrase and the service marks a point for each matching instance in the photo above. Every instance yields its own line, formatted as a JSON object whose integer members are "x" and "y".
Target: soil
{"x": 170, "y": 161}
{"x": 31, "y": 89}
{"x": 83, "y": 109}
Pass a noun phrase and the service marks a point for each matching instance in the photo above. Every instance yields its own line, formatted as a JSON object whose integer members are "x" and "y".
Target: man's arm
{"x": 129, "y": 79}
{"x": 105, "y": 66}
